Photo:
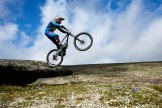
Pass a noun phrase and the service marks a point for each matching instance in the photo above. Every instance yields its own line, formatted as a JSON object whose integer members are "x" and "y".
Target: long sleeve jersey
{"x": 52, "y": 26}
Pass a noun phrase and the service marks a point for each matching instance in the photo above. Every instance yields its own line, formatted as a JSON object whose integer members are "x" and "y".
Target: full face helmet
{"x": 58, "y": 19}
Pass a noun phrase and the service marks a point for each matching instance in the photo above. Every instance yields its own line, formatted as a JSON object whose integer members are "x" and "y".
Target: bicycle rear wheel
{"x": 83, "y": 41}
{"x": 54, "y": 58}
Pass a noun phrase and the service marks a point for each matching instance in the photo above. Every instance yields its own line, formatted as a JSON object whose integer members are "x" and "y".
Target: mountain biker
{"x": 51, "y": 27}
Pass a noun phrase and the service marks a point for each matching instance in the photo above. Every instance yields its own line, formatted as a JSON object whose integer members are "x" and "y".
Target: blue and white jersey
{"x": 51, "y": 27}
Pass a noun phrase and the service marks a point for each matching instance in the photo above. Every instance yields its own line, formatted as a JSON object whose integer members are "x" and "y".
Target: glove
{"x": 62, "y": 26}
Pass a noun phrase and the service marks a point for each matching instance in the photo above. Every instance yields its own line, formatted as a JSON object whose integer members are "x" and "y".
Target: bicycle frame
{"x": 67, "y": 36}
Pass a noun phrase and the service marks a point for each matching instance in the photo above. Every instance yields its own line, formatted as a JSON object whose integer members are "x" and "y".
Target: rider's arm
{"x": 58, "y": 27}
{"x": 55, "y": 24}
{"x": 63, "y": 31}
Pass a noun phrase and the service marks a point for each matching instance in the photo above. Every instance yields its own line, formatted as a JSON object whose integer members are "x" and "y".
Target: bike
{"x": 82, "y": 42}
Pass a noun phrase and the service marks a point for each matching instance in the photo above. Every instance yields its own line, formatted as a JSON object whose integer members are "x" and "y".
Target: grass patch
{"x": 157, "y": 87}
{"x": 10, "y": 95}
{"x": 132, "y": 94}
{"x": 72, "y": 94}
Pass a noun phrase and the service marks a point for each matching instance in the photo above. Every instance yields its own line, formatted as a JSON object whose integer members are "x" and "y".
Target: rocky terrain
{"x": 31, "y": 84}
{"x": 21, "y": 72}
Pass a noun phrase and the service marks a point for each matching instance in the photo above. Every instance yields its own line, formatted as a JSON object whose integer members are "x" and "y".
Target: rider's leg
{"x": 52, "y": 36}
{"x": 55, "y": 39}
{"x": 58, "y": 43}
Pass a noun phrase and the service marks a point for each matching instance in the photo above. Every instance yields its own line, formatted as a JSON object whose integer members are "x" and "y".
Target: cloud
{"x": 3, "y": 10}
{"x": 8, "y": 31}
{"x": 148, "y": 44}
{"x": 27, "y": 25}
{"x": 81, "y": 22}
{"x": 117, "y": 36}
{"x": 13, "y": 42}
{"x": 8, "y": 11}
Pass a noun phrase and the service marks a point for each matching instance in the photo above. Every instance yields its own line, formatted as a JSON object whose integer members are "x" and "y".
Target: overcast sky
{"x": 123, "y": 30}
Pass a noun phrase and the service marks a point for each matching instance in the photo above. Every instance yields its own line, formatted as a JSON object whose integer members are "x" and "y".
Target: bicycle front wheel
{"x": 83, "y": 41}
{"x": 54, "y": 58}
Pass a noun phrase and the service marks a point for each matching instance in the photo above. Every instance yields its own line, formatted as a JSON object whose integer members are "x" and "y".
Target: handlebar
{"x": 68, "y": 32}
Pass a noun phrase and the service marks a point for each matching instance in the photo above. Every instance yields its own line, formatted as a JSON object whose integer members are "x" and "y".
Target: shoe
{"x": 64, "y": 54}
{"x": 59, "y": 53}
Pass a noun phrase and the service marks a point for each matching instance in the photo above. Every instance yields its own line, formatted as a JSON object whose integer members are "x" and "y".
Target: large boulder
{"x": 22, "y": 72}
